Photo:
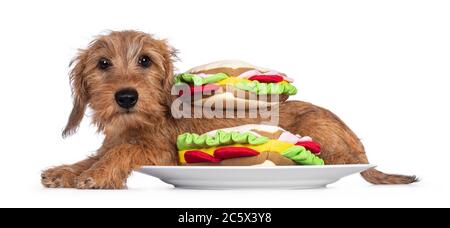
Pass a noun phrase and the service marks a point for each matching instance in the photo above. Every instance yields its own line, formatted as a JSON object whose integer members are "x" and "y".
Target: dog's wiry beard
{"x": 114, "y": 121}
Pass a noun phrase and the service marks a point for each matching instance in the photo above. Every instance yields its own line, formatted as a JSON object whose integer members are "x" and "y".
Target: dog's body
{"x": 116, "y": 66}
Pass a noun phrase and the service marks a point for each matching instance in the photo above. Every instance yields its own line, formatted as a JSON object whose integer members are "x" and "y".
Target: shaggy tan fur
{"x": 146, "y": 135}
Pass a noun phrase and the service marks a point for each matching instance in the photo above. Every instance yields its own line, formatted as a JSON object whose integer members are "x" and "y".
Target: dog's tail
{"x": 374, "y": 176}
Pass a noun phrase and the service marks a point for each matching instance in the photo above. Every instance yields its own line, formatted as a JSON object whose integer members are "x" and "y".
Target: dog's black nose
{"x": 127, "y": 98}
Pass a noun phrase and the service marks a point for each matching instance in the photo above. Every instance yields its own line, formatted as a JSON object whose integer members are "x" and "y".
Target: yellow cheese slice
{"x": 232, "y": 81}
{"x": 271, "y": 146}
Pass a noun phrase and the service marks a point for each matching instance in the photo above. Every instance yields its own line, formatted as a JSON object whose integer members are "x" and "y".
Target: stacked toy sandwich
{"x": 237, "y": 82}
{"x": 248, "y": 145}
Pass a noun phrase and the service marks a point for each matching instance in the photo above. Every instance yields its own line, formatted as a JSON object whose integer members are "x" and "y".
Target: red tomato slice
{"x": 311, "y": 146}
{"x": 204, "y": 88}
{"x": 267, "y": 78}
{"x": 234, "y": 152}
{"x": 201, "y": 89}
{"x": 197, "y": 156}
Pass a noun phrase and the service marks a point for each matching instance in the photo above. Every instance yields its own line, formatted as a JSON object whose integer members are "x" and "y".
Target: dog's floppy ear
{"x": 170, "y": 56}
{"x": 79, "y": 93}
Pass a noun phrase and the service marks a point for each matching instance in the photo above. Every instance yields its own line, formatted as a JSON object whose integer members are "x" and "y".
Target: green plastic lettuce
{"x": 302, "y": 156}
{"x": 190, "y": 141}
{"x": 199, "y": 81}
{"x": 267, "y": 88}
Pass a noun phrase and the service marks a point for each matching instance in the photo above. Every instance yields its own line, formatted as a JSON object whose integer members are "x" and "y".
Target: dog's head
{"x": 124, "y": 77}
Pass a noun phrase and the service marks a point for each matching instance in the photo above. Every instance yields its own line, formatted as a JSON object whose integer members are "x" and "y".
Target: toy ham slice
{"x": 248, "y": 145}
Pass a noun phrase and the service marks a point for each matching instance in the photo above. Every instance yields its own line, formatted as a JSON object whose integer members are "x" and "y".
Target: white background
{"x": 382, "y": 66}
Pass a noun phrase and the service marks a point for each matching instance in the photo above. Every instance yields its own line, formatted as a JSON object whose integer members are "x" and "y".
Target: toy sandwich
{"x": 237, "y": 82}
{"x": 248, "y": 145}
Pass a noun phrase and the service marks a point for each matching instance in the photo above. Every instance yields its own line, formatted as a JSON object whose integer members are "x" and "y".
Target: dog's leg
{"x": 339, "y": 144}
{"x": 112, "y": 169}
{"x": 64, "y": 176}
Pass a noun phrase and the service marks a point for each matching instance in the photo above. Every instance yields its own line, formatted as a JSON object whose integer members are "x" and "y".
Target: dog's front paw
{"x": 59, "y": 177}
{"x": 98, "y": 180}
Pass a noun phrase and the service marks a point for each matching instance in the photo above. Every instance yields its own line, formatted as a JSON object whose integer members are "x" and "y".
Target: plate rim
{"x": 368, "y": 166}
{"x": 170, "y": 176}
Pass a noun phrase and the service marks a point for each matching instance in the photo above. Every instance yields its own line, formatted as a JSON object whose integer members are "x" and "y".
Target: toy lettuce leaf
{"x": 190, "y": 141}
{"x": 267, "y": 88}
{"x": 199, "y": 81}
{"x": 301, "y": 156}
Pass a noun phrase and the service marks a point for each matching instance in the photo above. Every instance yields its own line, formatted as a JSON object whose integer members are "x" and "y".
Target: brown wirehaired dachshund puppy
{"x": 126, "y": 78}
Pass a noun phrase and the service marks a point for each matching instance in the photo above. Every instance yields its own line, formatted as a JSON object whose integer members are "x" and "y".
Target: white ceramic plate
{"x": 280, "y": 177}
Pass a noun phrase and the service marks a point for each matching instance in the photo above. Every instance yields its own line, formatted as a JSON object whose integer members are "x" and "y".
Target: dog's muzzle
{"x": 127, "y": 98}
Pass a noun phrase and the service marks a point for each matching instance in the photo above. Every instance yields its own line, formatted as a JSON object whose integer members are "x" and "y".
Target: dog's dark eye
{"x": 145, "y": 61}
{"x": 104, "y": 64}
